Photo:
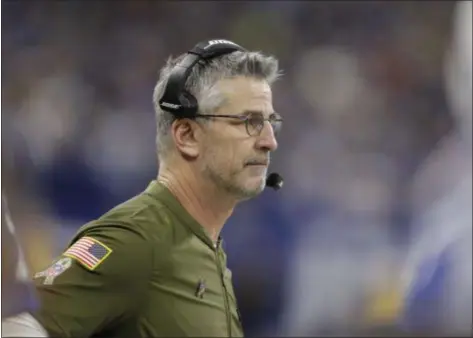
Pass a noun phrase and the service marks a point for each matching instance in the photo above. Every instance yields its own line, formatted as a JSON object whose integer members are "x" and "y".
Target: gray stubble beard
{"x": 238, "y": 192}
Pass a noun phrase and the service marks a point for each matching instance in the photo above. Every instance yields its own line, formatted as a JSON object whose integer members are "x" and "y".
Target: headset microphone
{"x": 275, "y": 181}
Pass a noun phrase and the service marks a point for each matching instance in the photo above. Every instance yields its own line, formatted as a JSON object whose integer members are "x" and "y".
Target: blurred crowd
{"x": 364, "y": 102}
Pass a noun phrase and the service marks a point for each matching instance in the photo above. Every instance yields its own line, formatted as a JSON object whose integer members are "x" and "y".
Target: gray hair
{"x": 201, "y": 83}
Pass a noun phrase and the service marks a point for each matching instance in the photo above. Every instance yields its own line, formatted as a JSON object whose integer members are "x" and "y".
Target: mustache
{"x": 258, "y": 161}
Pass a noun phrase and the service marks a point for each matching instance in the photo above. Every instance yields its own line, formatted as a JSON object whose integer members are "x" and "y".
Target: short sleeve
{"x": 98, "y": 280}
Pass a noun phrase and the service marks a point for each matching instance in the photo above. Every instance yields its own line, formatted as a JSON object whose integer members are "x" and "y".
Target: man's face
{"x": 230, "y": 157}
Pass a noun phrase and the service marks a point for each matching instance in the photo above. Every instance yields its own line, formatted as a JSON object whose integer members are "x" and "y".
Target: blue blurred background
{"x": 369, "y": 145}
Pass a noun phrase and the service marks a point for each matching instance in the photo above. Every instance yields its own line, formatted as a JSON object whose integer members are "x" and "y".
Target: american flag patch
{"x": 89, "y": 252}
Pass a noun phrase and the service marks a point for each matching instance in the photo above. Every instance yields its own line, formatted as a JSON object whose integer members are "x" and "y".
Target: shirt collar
{"x": 160, "y": 192}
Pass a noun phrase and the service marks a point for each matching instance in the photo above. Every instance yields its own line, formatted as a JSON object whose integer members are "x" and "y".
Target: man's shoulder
{"x": 140, "y": 218}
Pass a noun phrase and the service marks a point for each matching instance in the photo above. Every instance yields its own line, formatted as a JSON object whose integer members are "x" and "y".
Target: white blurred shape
{"x": 458, "y": 70}
{"x": 445, "y": 227}
{"x": 442, "y": 196}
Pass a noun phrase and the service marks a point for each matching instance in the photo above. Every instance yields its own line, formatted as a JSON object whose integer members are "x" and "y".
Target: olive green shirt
{"x": 144, "y": 269}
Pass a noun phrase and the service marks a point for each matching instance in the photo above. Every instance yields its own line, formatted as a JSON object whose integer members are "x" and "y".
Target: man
{"x": 154, "y": 265}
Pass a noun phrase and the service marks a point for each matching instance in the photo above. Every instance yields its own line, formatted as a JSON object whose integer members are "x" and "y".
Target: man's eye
{"x": 256, "y": 120}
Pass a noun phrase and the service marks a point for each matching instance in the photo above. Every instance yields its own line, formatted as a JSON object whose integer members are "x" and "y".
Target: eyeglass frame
{"x": 273, "y": 118}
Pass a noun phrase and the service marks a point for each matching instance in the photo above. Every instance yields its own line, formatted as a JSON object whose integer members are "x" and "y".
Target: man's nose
{"x": 267, "y": 139}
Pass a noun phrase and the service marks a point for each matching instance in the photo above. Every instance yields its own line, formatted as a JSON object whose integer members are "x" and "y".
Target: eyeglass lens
{"x": 255, "y": 123}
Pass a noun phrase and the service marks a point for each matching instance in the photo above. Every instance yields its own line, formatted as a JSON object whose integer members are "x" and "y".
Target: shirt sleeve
{"x": 98, "y": 281}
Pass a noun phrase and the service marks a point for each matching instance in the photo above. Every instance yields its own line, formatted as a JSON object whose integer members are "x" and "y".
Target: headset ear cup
{"x": 189, "y": 102}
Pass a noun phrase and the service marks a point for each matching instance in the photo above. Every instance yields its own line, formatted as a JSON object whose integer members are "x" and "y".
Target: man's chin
{"x": 253, "y": 190}
{"x": 247, "y": 188}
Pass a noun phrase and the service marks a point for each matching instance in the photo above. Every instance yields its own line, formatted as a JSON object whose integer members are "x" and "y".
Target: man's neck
{"x": 203, "y": 202}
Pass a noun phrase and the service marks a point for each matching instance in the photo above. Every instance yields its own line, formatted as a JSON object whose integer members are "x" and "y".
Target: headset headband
{"x": 176, "y": 100}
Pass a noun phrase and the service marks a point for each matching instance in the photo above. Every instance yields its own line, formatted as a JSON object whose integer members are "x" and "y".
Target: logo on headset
{"x": 218, "y": 42}
{"x": 170, "y": 105}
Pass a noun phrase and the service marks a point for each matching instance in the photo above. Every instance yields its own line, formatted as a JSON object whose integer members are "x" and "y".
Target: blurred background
{"x": 372, "y": 231}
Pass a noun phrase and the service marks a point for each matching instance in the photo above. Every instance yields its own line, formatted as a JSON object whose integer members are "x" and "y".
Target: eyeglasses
{"x": 254, "y": 121}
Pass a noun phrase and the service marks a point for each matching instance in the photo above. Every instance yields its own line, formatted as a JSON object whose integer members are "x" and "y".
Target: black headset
{"x": 176, "y": 99}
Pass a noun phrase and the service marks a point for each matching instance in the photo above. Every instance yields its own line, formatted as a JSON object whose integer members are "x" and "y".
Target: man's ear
{"x": 185, "y": 138}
